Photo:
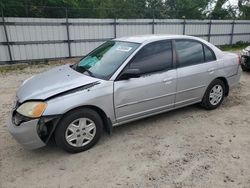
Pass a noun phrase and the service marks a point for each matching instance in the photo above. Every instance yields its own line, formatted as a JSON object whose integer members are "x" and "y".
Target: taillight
{"x": 239, "y": 59}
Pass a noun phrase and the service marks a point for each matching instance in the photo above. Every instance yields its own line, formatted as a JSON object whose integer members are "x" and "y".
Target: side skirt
{"x": 155, "y": 113}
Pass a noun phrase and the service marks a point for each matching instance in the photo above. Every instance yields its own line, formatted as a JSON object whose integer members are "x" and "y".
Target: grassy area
{"x": 234, "y": 47}
{"x": 39, "y": 64}
{"x": 20, "y": 67}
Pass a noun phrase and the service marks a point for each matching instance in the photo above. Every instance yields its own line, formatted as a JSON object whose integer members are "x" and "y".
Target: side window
{"x": 189, "y": 52}
{"x": 209, "y": 55}
{"x": 153, "y": 57}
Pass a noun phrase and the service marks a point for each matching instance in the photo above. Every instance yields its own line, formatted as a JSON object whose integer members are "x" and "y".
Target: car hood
{"x": 52, "y": 82}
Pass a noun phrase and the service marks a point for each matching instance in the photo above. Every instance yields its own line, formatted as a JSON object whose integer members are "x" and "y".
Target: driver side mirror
{"x": 130, "y": 73}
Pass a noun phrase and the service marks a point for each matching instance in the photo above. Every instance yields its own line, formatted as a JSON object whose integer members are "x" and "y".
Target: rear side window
{"x": 209, "y": 55}
{"x": 153, "y": 57}
{"x": 189, "y": 52}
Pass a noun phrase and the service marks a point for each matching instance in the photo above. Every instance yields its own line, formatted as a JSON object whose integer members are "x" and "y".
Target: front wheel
{"x": 79, "y": 130}
{"x": 214, "y": 95}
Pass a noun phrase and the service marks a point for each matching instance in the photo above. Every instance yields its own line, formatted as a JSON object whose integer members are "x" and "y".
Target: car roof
{"x": 145, "y": 39}
{"x": 151, "y": 38}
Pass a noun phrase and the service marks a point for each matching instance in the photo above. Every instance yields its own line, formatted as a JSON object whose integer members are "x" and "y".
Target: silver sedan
{"x": 123, "y": 80}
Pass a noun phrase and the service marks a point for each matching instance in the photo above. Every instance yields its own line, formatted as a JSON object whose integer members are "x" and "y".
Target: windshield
{"x": 106, "y": 59}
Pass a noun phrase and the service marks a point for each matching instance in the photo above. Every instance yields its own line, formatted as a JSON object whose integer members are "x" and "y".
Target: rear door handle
{"x": 211, "y": 70}
{"x": 167, "y": 80}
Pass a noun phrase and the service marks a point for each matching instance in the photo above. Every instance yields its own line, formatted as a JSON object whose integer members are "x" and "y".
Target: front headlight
{"x": 32, "y": 109}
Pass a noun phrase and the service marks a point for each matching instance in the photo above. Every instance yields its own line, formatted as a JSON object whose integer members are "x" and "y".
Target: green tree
{"x": 219, "y": 12}
{"x": 244, "y": 7}
{"x": 159, "y": 9}
{"x": 193, "y": 9}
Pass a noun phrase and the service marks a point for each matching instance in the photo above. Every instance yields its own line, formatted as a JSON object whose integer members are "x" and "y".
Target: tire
{"x": 207, "y": 101}
{"x": 244, "y": 68}
{"x": 79, "y": 130}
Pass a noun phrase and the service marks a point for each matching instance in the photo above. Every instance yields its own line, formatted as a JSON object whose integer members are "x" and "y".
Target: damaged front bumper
{"x": 26, "y": 133}
{"x": 32, "y": 133}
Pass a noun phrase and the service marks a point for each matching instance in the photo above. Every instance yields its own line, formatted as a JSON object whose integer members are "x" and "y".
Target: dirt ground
{"x": 189, "y": 147}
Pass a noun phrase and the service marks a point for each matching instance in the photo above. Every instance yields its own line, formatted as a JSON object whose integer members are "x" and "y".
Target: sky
{"x": 233, "y": 2}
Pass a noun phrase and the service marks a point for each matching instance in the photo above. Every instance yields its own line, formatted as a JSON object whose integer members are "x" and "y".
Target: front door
{"x": 154, "y": 91}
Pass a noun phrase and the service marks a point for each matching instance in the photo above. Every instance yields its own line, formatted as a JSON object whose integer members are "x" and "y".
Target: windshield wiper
{"x": 83, "y": 69}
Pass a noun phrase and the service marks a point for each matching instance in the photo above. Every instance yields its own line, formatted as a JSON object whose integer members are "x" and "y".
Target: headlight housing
{"x": 32, "y": 109}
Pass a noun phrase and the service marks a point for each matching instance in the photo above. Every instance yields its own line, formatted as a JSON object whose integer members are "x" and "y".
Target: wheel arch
{"x": 226, "y": 84}
{"x": 204, "y": 102}
{"x": 224, "y": 80}
{"x": 107, "y": 124}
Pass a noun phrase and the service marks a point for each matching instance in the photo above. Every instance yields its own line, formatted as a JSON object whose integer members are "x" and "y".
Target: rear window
{"x": 209, "y": 55}
{"x": 189, "y": 52}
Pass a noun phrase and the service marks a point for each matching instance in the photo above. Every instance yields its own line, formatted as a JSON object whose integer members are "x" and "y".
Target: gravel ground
{"x": 188, "y": 147}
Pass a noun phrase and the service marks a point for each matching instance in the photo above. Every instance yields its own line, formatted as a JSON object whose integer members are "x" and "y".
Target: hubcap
{"x": 215, "y": 95}
{"x": 80, "y": 132}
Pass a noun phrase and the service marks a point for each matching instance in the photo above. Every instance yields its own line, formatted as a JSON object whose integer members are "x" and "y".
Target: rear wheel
{"x": 214, "y": 95}
{"x": 79, "y": 130}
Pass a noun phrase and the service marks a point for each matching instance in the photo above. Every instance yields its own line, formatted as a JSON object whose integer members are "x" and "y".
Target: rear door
{"x": 154, "y": 91}
{"x": 196, "y": 67}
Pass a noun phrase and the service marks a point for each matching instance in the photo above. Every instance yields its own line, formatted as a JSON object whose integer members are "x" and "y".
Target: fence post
{"x": 184, "y": 25}
{"x": 209, "y": 30}
{"x": 115, "y": 27}
{"x": 6, "y": 36}
{"x": 67, "y": 27}
{"x": 232, "y": 32}
{"x": 153, "y": 22}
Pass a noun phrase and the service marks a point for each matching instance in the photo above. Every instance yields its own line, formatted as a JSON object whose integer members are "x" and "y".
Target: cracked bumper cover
{"x": 26, "y": 134}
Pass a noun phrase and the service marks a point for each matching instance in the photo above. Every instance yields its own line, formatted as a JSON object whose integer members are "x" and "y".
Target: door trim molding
{"x": 138, "y": 114}
{"x": 189, "y": 89}
{"x": 145, "y": 100}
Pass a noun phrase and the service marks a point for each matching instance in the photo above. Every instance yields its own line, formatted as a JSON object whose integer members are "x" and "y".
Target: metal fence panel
{"x": 198, "y": 27}
{"x": 220, "y": 40}
{"x": 45, "y": 38}
{"x": 205, "y": 38}
{"x": 39, "y": 51}
{"x": 237, "y": 38}
{"x": 241, "y": 27}
{"x": 4, "y": 53}
{"x": 83, "y": 48}
{"x": 126, "y": 27}
{"x": 91, "y": 29}
{"x": 221, "y": 29}
{"x": 2, "y": 35}
{"x": 173, "y": 26}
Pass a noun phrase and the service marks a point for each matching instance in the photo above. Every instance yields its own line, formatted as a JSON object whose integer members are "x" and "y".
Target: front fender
{"x": 100, "y": 95}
